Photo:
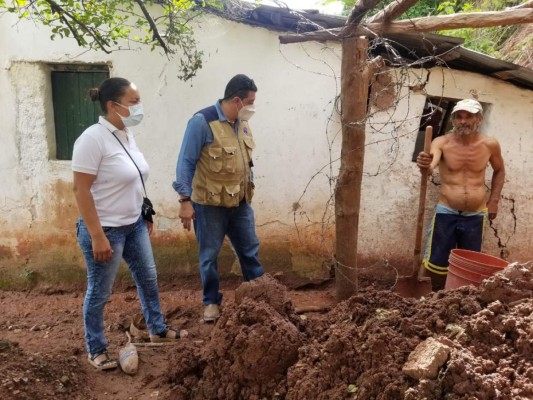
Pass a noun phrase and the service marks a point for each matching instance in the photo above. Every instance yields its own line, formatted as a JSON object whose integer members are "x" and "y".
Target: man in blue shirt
{"x": 214, "y": 181}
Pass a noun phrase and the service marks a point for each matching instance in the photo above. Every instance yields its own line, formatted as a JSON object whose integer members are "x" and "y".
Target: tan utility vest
{"x": 223, "y": 171}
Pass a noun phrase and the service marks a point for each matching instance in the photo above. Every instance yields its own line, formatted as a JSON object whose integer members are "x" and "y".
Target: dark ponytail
{"x": 110, "y": 89}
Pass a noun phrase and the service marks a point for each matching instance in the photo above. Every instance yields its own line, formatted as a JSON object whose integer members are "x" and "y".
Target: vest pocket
{"x": 230, "y": 158}
{"x": 249, "y": 144}
{"x": 231, "y": 195}
{"x": 213, "y": 195}
{"x": 215, "y": 158}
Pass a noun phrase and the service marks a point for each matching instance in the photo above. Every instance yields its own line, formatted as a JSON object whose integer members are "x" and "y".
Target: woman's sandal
{"x": 102, "y": 365}
{"x": 169, "y": 335}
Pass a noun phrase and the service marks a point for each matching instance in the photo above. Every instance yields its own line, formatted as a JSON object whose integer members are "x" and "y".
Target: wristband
{"x": 184, "y": 199}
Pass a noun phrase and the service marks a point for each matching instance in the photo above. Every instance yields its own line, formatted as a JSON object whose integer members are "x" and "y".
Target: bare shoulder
{"x": 439, "y": 141}
{"x": 491, "y": 142}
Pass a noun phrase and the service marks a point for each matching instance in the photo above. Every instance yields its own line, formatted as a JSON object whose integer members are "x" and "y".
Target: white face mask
{"x": 246, "y": 112}
{"x": 135, "y": 117}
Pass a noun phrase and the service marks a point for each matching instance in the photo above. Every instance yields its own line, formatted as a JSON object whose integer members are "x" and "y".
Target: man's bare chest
{"x": 471, "y": 158}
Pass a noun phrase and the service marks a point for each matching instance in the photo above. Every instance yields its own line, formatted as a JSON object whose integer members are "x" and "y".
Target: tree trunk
{"x": 354, "y": 97}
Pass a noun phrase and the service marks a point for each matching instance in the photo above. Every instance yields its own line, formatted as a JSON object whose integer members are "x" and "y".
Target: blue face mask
{"x": 135, "y": 117}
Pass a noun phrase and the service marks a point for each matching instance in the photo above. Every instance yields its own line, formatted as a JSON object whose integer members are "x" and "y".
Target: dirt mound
{"x": 491, "y": 359}
{"x": 360, "y": 348}
{"x": 368, "y": 347}
{"x": 369, "y": 338}
{"x": 362, "y": 353}
{"x": 267, "y": 289}
{"x": 39, "y": 376}
{"x": 512, "y": 284}
{"x": 248, "y": 355}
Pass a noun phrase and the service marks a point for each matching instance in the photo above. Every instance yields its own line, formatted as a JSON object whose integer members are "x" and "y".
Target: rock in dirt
{"x": 424, "y": 362}
{"x": 6, "y": 345}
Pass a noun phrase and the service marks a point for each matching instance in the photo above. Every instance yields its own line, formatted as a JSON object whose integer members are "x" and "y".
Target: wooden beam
{"x": 426, "y": 24}
{"x": 354, "y": 98}
{"x": 392, "y": 11}
{"x": 334, "y": 34}
{"x": 504, "y": 75}
{"x": 456, "y": 21}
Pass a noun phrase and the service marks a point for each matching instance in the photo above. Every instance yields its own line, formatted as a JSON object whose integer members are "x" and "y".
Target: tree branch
{"x": 153, "y": 27}
{"x": 359, "y": 11}
{"x": 392, "y": 11}
{"x": 527, "y": 4}
{"x": 77, "y": 36}
{"x": 61, "y": 11}
{"x": 426, "y": 24}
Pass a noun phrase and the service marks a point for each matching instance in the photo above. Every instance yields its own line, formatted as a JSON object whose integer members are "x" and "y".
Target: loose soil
{"x": 265, "y": 347}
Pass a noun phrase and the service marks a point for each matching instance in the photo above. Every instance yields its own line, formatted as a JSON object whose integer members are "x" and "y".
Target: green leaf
{"x": 110, "y": 24}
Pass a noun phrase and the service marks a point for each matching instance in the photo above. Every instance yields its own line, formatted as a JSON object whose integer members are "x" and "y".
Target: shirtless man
{"x": 462, "y": 156}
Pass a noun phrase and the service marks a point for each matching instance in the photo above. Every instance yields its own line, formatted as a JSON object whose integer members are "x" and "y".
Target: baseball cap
{"x": 470, "y": 105}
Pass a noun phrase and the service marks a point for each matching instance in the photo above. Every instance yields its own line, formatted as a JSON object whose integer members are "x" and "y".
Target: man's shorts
{"x": 452, "y": 229}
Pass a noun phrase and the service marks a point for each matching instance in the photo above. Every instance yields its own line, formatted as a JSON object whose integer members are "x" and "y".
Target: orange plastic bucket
{"x": 468, "y": 267}
{"x": 484, "y": 262}
{"x": 458, "y": 277}
{"x": 465, "y": 264}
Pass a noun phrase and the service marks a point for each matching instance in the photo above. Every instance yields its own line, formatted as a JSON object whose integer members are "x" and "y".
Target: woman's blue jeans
{"x": 131, "y": 243}
{"x": 211, "y": 225}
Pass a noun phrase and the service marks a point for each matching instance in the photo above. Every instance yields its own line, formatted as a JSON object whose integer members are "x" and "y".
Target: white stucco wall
{"x": 295, "y": 126}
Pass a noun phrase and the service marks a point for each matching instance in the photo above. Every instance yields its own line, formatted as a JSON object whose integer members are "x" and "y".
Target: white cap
{"x": 470, "y": 105}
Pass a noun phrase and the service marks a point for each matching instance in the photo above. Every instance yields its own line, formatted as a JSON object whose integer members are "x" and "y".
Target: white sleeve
{"x": 87, "y": 155}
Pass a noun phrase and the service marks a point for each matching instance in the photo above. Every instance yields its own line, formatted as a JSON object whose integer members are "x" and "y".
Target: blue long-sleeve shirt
{"x": 197, "y": 135}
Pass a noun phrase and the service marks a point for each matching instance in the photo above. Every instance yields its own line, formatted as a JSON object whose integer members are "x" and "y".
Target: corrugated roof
{"x": 418, "y": 48}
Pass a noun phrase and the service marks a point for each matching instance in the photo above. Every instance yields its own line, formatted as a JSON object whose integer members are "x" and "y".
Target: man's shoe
{"x": 211, "y": 312}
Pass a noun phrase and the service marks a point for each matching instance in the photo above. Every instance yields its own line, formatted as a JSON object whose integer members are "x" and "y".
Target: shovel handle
{"x": 422, "y": 201}
{"x": 428, "y": 137}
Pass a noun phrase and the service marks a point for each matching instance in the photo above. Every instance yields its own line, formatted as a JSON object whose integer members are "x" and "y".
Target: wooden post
{"x": 354, "y": 98}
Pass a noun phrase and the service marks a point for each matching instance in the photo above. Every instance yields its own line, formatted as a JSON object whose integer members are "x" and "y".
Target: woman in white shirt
{"x": 107, "y": 167}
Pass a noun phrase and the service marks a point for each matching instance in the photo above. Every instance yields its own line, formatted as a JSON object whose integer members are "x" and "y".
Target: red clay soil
{"x": 261, "y": 349}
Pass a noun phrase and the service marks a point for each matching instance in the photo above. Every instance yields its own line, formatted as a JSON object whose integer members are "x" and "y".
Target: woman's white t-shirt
{"x": 117, "y": 189}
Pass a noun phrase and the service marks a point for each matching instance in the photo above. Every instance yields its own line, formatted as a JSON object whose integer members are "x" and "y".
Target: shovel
{"x": 417, "y": 285}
